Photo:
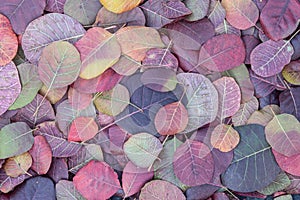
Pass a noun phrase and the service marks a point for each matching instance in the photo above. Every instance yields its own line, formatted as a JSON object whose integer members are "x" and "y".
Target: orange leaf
{"x": 17, "y": 165}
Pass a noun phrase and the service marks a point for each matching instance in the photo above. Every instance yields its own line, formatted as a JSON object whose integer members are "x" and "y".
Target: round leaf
{"x": 171, "y": 119}
{"x": 269, "y": 58}
{"x": 241, "y": 14}
{"x": 38, "y": 33}
{"x": 280, "y": 183}
{"x": 219, "y": 58}
{"x": 199, "y": 9}
{"x": 15, "y": 139}
{"x": 283, "y": 133}
{"x": 161, "y": 190}
{"x": 59, "y": 65}
{"x": 66, "y": 190}
{"x": 189, "y": 161}
{"x": 142, "y": 149}
{"x": 56, "y": 6}
{"x": 224, "y": 138}
{"x": 99, "y": 50}
{"x": 289, "y": 164}
{"x": 8, "y": 41}
{"x": 202, "y": 96}
{"x": 253, "y": 166}
{"x": 120, "y": 6}
{"x": 96, "y": 179}
{"x": 10, "y": 86}
{"x": 41, "y": 154}
{"x": 17, "y": 165}
{"x": 245, "y": 111}
{"x": 82, "y": 129}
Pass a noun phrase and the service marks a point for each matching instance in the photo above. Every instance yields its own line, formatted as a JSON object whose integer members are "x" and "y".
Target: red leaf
{"x": 222, "y": 52}
{"x": 193, "y": 163}
{"x": 96, "y": 180}
{"x": 78, "y": 100}
{"x": 82, "y": 129}
{"x": 289, "y": 164}
{"x": 41, "y": 155}
{"x": 280, "y": 18}
{"x": 134, "y": 178}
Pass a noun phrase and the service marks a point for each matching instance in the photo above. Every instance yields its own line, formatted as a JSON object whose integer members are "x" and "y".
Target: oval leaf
{"x": 99, "y": 50}
{"x": 59, "y": 65}
{"x": 66, "y": 190}
{"x": 269, "y": 58}
{"x": 283, "y": 133}
{"x": 82, "y": 129}
{"x": 291, "y": 72}
{"x": 17, "y": 165}
{"x": 219, "y": 58}
{"x": 142, "y": 149}
{"x": 189, "y": 161}
{"x": 288, "y": 164}
{"x": 96, "y": 175}
{"x": 161, "y": 190}
{"x": 120, "y": 6}
{"x": 171, "y": 119}
{"x": 241, "y": 14}
{"x": 41, "y": 154}
{"x": 15, "y": 139}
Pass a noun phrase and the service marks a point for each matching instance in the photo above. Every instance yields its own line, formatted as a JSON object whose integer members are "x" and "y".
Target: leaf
{"x": 224, "y": 138}
{"x": 219, "y": 58}
{"x": 82, "y": 129}
{"x": 226, "y": 28}
{"x": 171, "y": 119}
{"x": 36, "y": 187}
{"x": 59, "y": 145}
{"x": 250, "y": 43}
{"x": 161, "y": 190}
{"x": 15, "y": 139}
{"x": 229, "y": 97}
{"x": 83, "y": 11}
{"x": 282, "y": 133}
{"x": 199, "y": 9}
{"x": 59, "y": 65}
{"x": 289, "y": 102}
{"x": 58, "y": 170}
{"x": 135, "y": 41}
{"x": 295, "y": 42}
{"x": 189, "y": 161}
{"x": 142, "y": 149}
{"x": 54, "y": 95}
{"x": 21, "y": 13}
{"x": 280, "y": 183}
{"x": 41, "y": 155}
{"x": 159, "y": 12}
{"x": 8, "y": 41}
{"x": 66, "y": 190}
{"x": 84, "y": 156}
{"x": 269, "y": 58}
{"x": 120, "y": 6}
{"x": 126, "y": 66}
{"x": 8, "y": 183}
{"x": 106, "y": 81}
{"x": 202, "y": 105}
{"x": 163, "y": 167}
{"x": 78, "y": 100}
{"x": 266, "y": 85}
{"x": 264, "y": 116}
{"x": 97, "y": 48}
{"x": 156, "y": 58}
{"x": 66, "y": 114}
{"x": 160, "y": 79}
{"x": 114, "y": 101}
{"x": 241, "y": 14}
{"x": 96, "y": 175}
{"x": 10, "y": 86}
{"x": 245, "y": 111}
{"x": 216, "y": 12}
{"x": 38, "y": 35}
{"x": 280, "y": 18}
{"x": 242, "y": 78}
{"x": 253, "y": 166}
{"x": 56, "y": 6}
{"x": 288, "y": 163}
{"x": 18, "y": 165}
{"x": 29, "y": 115}
{"x": 134, "y": 178}
{"x": 201, "y": 191}
{"x": 107, "y": 19}
{"x": 291, "y": 72}
{"x": 30, "y": 85}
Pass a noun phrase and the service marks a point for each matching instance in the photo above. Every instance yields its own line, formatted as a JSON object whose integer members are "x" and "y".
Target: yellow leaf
{"x": 120, "y": 6}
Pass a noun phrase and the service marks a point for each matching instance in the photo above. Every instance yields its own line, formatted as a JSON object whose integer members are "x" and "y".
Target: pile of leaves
{"x": 154, "y": 99}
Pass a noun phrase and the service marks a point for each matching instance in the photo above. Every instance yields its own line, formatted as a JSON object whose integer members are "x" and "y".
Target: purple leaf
{"x": 56, "y": 6}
